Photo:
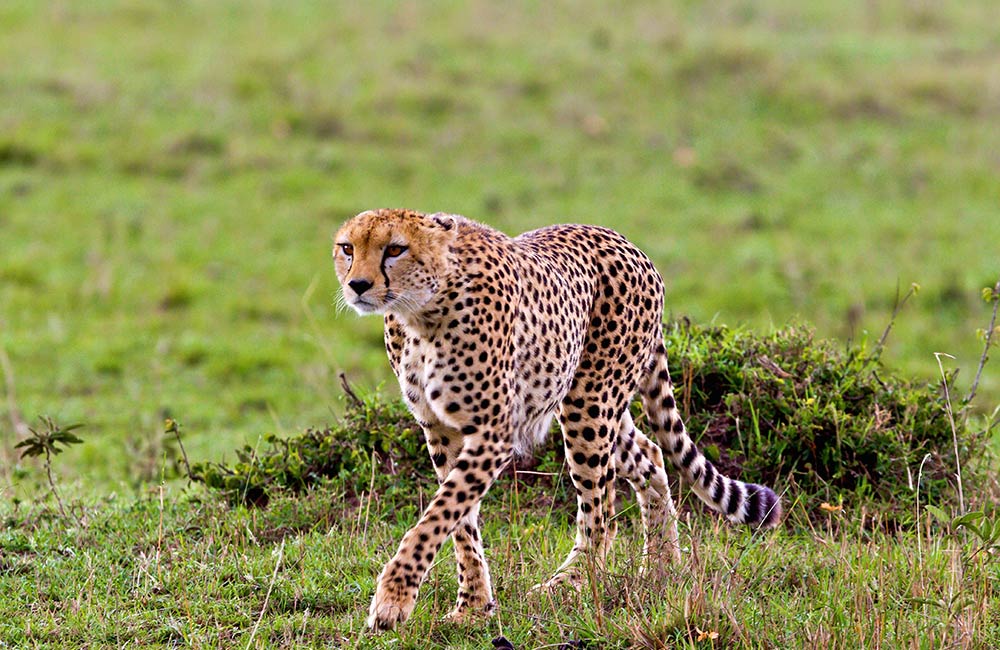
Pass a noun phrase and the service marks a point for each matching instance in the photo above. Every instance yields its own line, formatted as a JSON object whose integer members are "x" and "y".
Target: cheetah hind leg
{"x": 640, "y": 461}
{"x": 589, "y": 454}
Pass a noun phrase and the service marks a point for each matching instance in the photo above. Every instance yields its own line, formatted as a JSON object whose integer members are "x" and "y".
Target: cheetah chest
{"x": 544, "y": 363}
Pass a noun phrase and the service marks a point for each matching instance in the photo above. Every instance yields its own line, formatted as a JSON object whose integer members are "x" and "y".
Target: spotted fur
{"x": 490, "y": 337}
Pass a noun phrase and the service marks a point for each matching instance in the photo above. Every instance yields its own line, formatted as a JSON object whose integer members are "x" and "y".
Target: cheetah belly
{"x": 546, "y": 364}
{"x": 532, "y": 434}
{"x": 539, "y": 398}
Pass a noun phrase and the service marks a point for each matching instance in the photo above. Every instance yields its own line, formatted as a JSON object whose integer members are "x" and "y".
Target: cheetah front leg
{"x": 475, "y": 590}
{"x": 456, "y": 499}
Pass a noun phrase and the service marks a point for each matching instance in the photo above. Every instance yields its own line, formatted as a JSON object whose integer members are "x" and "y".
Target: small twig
{"x": 954, "y": 431}
{"x": 773, "y": 367}
{"x": 45, "y": 442}
{"x": 986, "y": 348}
{"x": 174, "y": 427}
{"x": 52, "y": 483}
{"x": 896, "y": 308}
{"x": 524, "y": 472}
{"x": 351, "y": 395}
{"x": 187, "y": 465}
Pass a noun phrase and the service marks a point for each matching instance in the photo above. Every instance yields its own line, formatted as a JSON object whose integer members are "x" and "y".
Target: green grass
{"x": 170, "y": 178}
{"x": 178, "y": 572}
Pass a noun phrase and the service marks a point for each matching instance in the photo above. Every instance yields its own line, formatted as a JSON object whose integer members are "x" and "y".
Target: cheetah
{"x": 490, "y": 338}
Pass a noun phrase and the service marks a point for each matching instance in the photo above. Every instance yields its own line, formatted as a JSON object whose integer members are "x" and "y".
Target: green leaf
{"x": 967, "y": 519}
{"x": 962, "y": 601}
{"x": 938, "y": 513}
{"x": 995, "y": 535}
{"x": 32, "y": 451}
{"x": 66, "y": 438}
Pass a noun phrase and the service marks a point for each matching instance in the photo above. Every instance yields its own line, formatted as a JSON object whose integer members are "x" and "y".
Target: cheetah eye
{"x": 348, "y": 249}
{"x": 394, "y": 250}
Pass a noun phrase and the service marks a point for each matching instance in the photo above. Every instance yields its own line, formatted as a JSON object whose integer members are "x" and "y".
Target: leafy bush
{"x": 784, "y": 410}
{"x": 376, "y": 441}
{"x": 823, "y": 424}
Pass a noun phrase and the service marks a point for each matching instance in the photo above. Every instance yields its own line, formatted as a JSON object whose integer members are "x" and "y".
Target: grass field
{"x": 157, "y": 572}
{"x": 171, "y": 175}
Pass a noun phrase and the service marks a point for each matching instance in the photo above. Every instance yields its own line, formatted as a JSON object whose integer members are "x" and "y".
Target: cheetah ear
{"x": 443, "y": 220}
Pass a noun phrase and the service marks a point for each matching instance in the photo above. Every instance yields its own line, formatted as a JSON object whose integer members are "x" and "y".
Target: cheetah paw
{"x": 572, "y": 579}
{"x": 465, "y": 612}
{"x": 389, "y": 607}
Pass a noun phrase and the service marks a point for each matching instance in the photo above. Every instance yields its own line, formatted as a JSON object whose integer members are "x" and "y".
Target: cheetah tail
{"x": 740, "y": 502}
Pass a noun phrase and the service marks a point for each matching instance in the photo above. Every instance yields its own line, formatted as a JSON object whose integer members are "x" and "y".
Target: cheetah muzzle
{"x": 490, "y": 337}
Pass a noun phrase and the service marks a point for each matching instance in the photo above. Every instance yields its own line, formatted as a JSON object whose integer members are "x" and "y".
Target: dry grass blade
{"x": 267, "y": 596}
{"x": 954, "y": 429}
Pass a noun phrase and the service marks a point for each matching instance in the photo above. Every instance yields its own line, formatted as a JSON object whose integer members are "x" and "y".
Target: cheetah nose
{"x": 360, "y": 286}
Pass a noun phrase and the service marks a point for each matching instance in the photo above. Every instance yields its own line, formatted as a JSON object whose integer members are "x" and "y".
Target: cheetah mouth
{"x": 391, "y": 301}
{"x": 362, "y": 306}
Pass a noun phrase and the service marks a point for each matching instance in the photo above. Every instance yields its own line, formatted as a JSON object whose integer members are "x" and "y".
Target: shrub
{"x": 823, "y": 424}
{"x": 785, "y": 410}
{"x": 376, "y": 438}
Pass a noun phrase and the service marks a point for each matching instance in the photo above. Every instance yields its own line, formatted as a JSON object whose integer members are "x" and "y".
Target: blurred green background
{"x": 171, "y": 174}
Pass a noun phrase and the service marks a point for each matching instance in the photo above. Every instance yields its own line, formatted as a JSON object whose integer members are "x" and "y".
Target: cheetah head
{"x": 393, "y": 260}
